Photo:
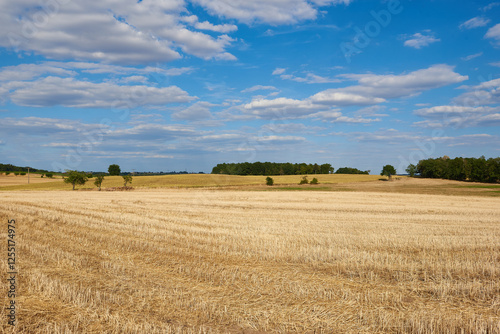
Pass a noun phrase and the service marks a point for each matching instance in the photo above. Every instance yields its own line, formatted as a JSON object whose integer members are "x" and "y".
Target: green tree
{"x": 389, "y": 171}
{"x": 75, "y": 177}
{"x": 114, "y": 169}
{"x": 304, "y": 180}
{"x": 98, "y": 181}
{"x": 127, "y": 179}
{"x": 269, "y": 181}
{"x": 314, "y": 181}
{"x": 49, "y": 175}
{"x": 411, "y": 169}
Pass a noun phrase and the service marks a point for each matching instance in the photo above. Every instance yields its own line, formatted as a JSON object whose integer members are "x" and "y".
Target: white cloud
{"x": 497, "y": 64}
{"x": 309, "y": 78}
{"x": 267, "y": 11}
{"x": 334, "y": 116}
{"x": 371, "y": 89}
{"x": 393, "y": 86}
{"x": 419, "y": 40}
{"x": 223, "y": 28}
{"x": 336, "y": 97}
{"x": 31, "y": 71}
{"x": 68, "y": 92}
{"x": 279, "y": 71}
{"x": 108, "y": 31}
{"x": 447, "y": 110}
{"x": 494, "y": 33}
{"x": 490, "y": 6}
{"x": 258, "y": 87}
{"x": 458, "y": 116}
{"x": 196, "y": 112}
{"x": 470, "y": 57}
{"x": 291, "y": 128}
{"x": 475, "y": 22}
{"x": 483, "y": 94}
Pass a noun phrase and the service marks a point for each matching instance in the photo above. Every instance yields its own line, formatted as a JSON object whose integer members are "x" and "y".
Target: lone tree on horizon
{"x": 114, "y": 169}
{"x": 388, "y": 170}
{"x": 75, "y": 177}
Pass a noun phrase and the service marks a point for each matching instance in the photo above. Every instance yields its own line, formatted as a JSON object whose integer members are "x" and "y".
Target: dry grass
{"x": 199, "y": 261}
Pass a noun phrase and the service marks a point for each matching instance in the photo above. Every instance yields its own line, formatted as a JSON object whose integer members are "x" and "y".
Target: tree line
{"x": 460, "y": 169}
{"x": 12, "y": 168}
{"x": 350, "y": 170}
{"x": 271, "y": 168}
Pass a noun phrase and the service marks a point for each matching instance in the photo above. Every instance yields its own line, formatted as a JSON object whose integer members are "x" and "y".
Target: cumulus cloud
{"x": 485, "y": 93}
{"x": 258, "y": 87}
{"x": 475, "y": 22}
{"x": 458, "y": 116}
{"x": 308, "y": 78}
{"x": 196, "y": 112}
{"x": 372, "y": 89}
{"x": 109, "y": 31}
{"x": 267, "y": 11}
{"x": 439, "y": 111}
{"x": 494, "y": 33}
{"x": 69, "y": 92}
{"x": 393, "y": 86}
{"x": 470, "y": 57}
{"x": 419, "y": 40}
{"x": 336, "y": 97}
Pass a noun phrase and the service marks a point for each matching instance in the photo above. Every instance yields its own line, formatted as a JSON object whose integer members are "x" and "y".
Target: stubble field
{"x": 201, "y": 261}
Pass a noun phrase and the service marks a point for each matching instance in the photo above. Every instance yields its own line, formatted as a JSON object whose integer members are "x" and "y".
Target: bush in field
{"x": 304, "y": 180}
{"x": 7, "y": 173}
{"x": 23, "y": 173}
{"x": 75, "y": 177}
{"x": 89, "y": 175}
{"x": 50, "y": 175}
{"x": 16, "y": 173}
{"x": 269, "y": 181}
{"x": 314, "y": 181}
{"x": 127, "y": 179}
{"x": 41, "y": 175}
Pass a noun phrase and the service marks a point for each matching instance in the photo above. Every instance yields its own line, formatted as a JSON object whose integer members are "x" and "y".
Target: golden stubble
{"x": 200, "y": 261}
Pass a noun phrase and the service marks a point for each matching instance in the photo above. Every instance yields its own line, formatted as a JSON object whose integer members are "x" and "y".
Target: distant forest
{"x": 271, "y": 168}
{"x": 12, "y": 168}
{"x": 461, "y": 169}
{"x": 350, "y": 170}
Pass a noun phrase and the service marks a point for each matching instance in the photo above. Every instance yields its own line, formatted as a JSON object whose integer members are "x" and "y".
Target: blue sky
{"x": 184, "y": 85}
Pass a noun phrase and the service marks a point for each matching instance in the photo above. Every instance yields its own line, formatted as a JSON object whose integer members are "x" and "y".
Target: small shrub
{"x": 50, "y": 175}
{"x": 314, "y": 181}
{"x": 16, "y": 173}
{"x": 41, "y": 175}
{"x": 7, "y": 173}
{"x": 304, "y": 180}
{"x": 89, "y": 175}
{"x": 269, "y": 181}
{"x": 23, "y": 173}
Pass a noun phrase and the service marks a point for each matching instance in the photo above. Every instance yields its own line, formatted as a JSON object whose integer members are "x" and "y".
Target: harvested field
{"x": 18, "y": 180}
{"x": 199, "y": 261}
{"x": 194, "y": 181}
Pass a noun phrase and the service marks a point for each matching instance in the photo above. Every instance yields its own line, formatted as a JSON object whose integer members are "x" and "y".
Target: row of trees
{"x": 350, "y": 170}
{"x": 74, "y": 178}
{"x": 461, "y": 169}
{"x": 271, "y": 168}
